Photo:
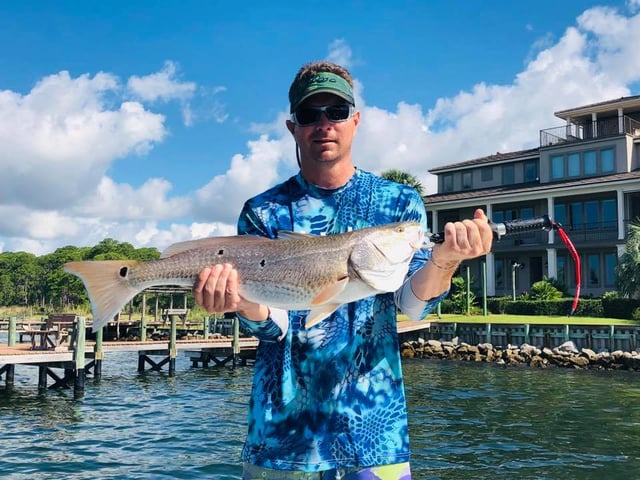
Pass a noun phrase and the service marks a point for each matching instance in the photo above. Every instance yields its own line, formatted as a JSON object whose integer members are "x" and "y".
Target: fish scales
{"x": 287, "y": 269}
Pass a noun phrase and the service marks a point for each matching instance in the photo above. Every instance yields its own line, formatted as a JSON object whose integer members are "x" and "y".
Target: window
{"x": 607, "y": 160}
{"x": 610, "y": 262}
{"x": 577, "y": 218}
{"x": 499, "y": 265}
{"x": 467, "y": 180}
{"x": 582, "y": 163}
{"x": 531, "y": 171}
{"x": 512, "y": 214}
{"x": 447, "y": 183}
{"x": 561, "y": 269}
{"x": 590, "y": 163}
{"x": 526, "y": 213}
{"x": 590, "y": 214}
{"x": 560, "y": 213}
{"x": 573, "y": 164}
{"x": 609, "y": 214}
{"x": 486, "y": 174}
{"x": 593, "y": 261}
{"x": 557, "y": 166}
{"x": 508, "y": 175}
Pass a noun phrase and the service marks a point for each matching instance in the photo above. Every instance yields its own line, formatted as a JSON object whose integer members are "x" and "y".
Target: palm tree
{"x": 628, "y": 269}
{"x": 405, "y": 178}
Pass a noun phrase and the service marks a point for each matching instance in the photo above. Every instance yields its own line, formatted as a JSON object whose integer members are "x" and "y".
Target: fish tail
{"x": 108, "y": 285}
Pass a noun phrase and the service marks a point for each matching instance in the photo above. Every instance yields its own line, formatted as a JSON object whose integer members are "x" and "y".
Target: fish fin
{"x": 211, "y": 242}
{"x": 317, "y": 314}
{"x": 287, "y": 235}
{"x": 107, "y": 284}
{"x": 330, "y": 292}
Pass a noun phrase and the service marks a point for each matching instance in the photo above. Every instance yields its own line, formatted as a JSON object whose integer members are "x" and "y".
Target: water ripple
{"x": 466, "y": 421}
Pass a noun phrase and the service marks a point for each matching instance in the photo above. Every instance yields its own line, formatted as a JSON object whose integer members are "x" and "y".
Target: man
{"x": 330, "y": 399}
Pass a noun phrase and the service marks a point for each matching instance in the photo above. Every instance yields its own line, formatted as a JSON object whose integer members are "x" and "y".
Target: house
{"x": 584, "y": 174}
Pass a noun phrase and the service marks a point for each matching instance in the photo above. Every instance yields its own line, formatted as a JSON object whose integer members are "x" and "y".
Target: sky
{"x": 152, "y": 122}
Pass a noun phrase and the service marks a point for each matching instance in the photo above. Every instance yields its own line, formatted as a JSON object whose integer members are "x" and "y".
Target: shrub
{"x": 497, "y": 305}
{"x": 587, "y": 307}
{"x": 446, "y": 306}
{"x": 616, "y": 307}
{"x": 544, "y": 290}
{"x": 458, "y": 296}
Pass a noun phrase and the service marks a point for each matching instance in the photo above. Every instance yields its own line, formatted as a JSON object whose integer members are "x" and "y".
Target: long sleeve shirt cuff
{"x": 273, "y": 329}
{"x": 412, "y": 306}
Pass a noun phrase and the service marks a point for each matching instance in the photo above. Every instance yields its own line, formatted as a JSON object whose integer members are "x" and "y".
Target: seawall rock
{"x": 565, "y": 355}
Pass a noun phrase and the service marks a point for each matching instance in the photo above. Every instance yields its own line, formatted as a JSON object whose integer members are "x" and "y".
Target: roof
{"x": 629, "y": 104}
{"x": 498, "y": 157}
{"x": 525, "y": 188}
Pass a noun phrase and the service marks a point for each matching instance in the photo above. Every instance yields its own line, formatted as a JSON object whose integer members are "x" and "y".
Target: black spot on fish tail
{"x": 263, "y": 262}
{"x": 221, "y": 252}
{"x": 124, "y": 271}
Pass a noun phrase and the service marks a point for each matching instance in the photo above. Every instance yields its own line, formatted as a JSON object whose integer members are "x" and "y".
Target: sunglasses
{"x": 334, "y": 113}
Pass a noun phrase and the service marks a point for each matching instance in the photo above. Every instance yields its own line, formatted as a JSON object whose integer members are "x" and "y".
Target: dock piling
{"x": 10, "y": 369}
{"x": 79, "y": 354}
{"x": 98, "y": 355}
{"x": 173, "y": 352}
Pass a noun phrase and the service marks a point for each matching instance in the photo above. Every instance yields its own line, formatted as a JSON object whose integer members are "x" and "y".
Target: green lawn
{"x": 530, "y": 319}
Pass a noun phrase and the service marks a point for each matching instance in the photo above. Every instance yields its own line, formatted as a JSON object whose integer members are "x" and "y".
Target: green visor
{"x": 323, "y": 82}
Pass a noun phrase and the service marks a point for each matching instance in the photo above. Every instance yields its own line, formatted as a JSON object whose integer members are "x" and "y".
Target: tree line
{"x": 32, "y": 281}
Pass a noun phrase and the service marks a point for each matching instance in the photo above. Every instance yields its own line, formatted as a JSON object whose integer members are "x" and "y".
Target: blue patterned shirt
{"x": 331, "y": 396}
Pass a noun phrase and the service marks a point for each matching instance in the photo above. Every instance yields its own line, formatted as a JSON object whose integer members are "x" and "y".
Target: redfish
{"x": 294, "y": 272}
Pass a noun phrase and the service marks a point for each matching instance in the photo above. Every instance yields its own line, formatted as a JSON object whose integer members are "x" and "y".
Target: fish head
{"x": 381, "y": 256}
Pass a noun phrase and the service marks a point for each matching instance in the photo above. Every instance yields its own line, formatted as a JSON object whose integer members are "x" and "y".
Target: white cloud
{"x": 150, "y": 234}
{"x": 165, "y": 86}
{"x": 340, "y": 53}
{"x": 122, "y": 201}
{"x": 161, "y": 85}
{"x": 65, "y": 125}
{"x": 633, "y": 5}
{"x": 223, "y": 196}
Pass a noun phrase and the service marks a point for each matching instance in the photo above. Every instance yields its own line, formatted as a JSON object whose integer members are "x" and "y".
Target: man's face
{"x": 324, "y": 140}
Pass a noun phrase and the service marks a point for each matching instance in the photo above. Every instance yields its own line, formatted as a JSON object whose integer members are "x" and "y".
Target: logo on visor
{"x": 321, "y": 79}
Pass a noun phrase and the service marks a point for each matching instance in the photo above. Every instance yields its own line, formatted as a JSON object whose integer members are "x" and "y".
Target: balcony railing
{"x": 576, "y": 132}
{"x": 595, "y": 233}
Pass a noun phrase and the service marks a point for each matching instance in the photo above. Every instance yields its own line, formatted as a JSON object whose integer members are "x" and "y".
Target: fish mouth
{"x": 418, "y": 242}
{"x": 416, "y": 245}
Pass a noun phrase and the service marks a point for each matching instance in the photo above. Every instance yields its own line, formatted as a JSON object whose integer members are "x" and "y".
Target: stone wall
{"x": 565, "y": 355}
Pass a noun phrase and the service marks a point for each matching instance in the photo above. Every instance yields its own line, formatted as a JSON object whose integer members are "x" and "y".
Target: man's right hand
{"x": 217, "y": 291}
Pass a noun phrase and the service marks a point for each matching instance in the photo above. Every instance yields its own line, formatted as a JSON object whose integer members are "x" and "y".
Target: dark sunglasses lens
{"x": 338, "y": 113}
{"x": 307, "y": 116}
{"x": 335, "y": 113}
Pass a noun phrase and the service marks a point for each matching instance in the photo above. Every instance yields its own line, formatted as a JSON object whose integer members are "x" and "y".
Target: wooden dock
{"x": 51, "y": 349}
{"x": 22, "y": 353}
{"x": 54, "y": 348}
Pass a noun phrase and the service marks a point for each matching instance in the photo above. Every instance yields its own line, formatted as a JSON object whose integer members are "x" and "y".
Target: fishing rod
{"x": 519, "y": 226}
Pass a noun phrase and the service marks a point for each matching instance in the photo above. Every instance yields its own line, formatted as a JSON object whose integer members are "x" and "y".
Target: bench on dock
{"x": 61, "y": 321}
{"x": 55, "y": 331}
{"x": 180, "y": 313}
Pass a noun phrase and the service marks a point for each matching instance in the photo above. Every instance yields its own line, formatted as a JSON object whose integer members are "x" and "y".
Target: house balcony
{"x": 592, "y": 236}
{"x": 579, "y": 132}
{"x": 602, "y": 234}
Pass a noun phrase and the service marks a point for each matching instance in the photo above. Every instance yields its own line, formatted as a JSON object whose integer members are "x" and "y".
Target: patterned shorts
{"x": 397, "y": 471}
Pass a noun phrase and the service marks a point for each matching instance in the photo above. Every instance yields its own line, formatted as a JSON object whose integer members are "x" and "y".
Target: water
{"x": 466, "y": 421}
